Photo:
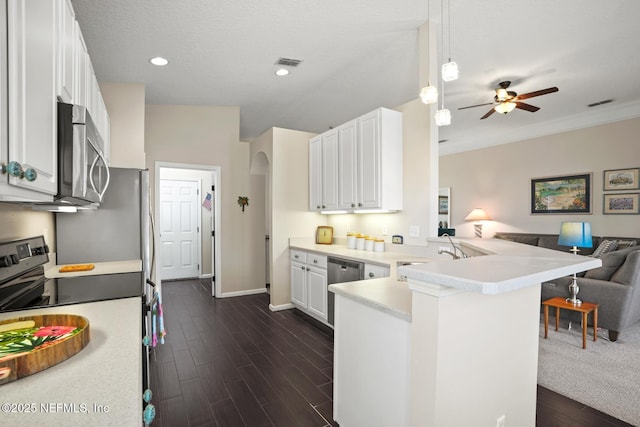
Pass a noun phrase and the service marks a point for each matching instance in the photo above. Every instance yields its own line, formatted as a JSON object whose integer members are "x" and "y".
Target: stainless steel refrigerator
{"x": 119, "y": 230}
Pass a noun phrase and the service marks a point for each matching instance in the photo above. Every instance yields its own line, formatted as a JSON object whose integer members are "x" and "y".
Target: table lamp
{"x": 575, "y": 234}
{"x": 478, "y": 215}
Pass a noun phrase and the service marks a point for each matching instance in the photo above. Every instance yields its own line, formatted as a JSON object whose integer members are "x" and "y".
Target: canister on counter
{"x": 368, "y": 243}
{"x": 351, "y": 240}
{"x": 378, "y": 245}
{"x": 360, "y": 241}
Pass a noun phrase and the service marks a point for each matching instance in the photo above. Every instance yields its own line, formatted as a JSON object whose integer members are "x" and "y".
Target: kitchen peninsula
{"x": 466, "y": 351}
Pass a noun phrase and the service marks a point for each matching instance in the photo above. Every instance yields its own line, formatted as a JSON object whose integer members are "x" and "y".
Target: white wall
{"x": 287, "y": 153}
{"x": 126, "y": 105}
{"x": 498, "y": 179}
{"x": 20, "y": 222}
{"x": 209, "y": 135}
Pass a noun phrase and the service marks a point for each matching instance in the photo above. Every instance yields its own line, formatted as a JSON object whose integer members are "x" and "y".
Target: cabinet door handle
{"x": 315, "y": 261}
{"x": 353, "y": 205}
{"x": 359, "y": 204}
{"x": 372, "y": 275}
{"x": 302, "y": 268}
{"x": 308, "y": 269}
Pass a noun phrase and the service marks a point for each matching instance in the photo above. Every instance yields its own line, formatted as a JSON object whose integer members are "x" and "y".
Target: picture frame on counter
{"x": 621, "y": 179}
{"x": 567, "y": 194}
{"x": 443, "y": 205}
{"x": 621, "y": 203}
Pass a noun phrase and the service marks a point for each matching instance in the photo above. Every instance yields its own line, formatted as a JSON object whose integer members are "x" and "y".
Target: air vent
{"x": 288, "y": 62}
{"x": 595, "y": 104}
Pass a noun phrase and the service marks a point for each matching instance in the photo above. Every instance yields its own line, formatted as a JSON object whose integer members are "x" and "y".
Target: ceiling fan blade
{"x": 528, "y": 107}
{"x": 490, "y": 112}
{"x": 537, "y": 93}
{"x": 474, "y": 106}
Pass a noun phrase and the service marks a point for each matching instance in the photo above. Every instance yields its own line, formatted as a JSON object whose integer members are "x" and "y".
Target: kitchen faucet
{"x": 454, "y": 254}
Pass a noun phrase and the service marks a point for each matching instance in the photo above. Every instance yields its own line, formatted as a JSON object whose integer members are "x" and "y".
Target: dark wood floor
{"x": 233, "y": 362}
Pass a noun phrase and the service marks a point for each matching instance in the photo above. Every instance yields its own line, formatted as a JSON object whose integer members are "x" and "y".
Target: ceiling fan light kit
{"x": 508, "y": 100}
{"x": 505, "y": 107}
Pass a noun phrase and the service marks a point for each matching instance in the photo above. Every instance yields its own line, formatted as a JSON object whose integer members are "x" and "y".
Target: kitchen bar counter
{"x": 386, "y": 294}
{"x": 111, "y": 267}
{"x": 99, "y": 386}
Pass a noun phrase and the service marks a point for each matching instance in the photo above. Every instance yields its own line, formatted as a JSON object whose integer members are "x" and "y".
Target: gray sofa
{"x": 615, "y": 286}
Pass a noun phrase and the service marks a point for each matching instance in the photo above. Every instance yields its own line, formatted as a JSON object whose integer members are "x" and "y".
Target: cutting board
{"x": 53, "y": 339}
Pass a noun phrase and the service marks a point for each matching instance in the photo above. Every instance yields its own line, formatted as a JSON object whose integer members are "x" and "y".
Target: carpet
{"x": 605, "y": 376}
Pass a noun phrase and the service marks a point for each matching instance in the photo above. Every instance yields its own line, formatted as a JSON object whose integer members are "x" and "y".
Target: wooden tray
{"x": 49, "y": 354}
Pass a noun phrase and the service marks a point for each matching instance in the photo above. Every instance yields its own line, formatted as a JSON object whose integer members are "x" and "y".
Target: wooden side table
{"x": 585, "y": 308}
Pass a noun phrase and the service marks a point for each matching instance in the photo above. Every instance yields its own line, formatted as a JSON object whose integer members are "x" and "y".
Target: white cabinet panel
{"x": 347, "y": 162}
{"x": 32, "y": 97}
{"x": 317, "y": 291}
{"x": 309, "y": 283}
{"x": 361, "y": 164}
{"x": 315, "y": 173}
{"x": 330, "y": 170}
{"x": 66, "y": 43}
{"x": 299, "y": 284}
{"x": 372, "y": 271}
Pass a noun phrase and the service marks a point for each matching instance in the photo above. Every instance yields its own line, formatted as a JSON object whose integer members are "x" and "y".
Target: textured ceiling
{"x": 358, "y": 55}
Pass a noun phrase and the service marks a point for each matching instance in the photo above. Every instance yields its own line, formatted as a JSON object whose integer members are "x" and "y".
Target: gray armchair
{"x": 615, "y": 287}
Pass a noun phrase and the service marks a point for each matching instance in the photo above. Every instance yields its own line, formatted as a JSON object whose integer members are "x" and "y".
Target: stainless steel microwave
{"x": 83, "y": 172}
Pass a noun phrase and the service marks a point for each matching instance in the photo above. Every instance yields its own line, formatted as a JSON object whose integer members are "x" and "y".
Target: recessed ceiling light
{"x": 159, "y": 61}
{"x": 282, "y": 72}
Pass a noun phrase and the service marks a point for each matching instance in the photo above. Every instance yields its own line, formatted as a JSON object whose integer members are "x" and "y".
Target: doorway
{"x": 189, "y": 222}
{"x": 179, "y": 229}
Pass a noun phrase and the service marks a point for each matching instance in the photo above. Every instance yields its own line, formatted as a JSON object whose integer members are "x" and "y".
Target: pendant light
{"x": 429, "y": 93}
{"x": 443, "y": 115}
{"x": 450, "y": 69}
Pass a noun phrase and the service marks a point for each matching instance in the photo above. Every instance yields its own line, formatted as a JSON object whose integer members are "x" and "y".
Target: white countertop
{"x": 111, "y": 267}
{"x": 511, "y": 267}
{"x": 107, "y": 372}
{"x": 508, "y": 266}
{"x": 385, "y": 294}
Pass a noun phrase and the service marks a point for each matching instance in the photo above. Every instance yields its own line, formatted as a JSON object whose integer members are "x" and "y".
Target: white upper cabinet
{"x": 323, "y": 172}
{"x": 67, "y": 42}
{"x": 368, "y": 159}
{"x": 347, "y": 162}
{"x": 330, "y": 170}
{"x": 315, "y": 173}
{"x": 380, "y": 160}
{"x": 32, "y": 126}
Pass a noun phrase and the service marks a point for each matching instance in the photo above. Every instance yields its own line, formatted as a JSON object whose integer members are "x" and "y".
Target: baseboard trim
{"x": 242, "y": 293}
{"x": 281, "y": 307}
{"x": 205, "y": 276}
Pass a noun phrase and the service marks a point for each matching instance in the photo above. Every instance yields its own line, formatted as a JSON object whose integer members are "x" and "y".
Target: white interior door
{"x": 179, "y": 230}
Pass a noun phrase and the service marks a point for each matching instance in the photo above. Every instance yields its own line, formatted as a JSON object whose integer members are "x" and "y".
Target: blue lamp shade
{"x": 575, "y": 234}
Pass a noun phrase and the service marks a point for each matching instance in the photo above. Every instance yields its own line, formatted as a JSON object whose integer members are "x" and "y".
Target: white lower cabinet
{"x": 372, "y": 271}
{"x": 309, "y": 283}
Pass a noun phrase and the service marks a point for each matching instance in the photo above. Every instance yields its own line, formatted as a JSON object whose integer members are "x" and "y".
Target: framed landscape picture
{"x": 443, "y": 205}
{"x": 621, "y": 179}
{"x": 623, "y": 203}
{"x": 561, "y": 194}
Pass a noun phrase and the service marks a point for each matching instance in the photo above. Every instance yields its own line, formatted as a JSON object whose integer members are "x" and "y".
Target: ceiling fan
{"x": 508, "y": 100}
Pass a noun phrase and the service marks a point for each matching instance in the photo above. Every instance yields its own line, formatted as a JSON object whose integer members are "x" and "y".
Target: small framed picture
{"x": 621, "y": 179}
{"x": 622, "y": 203}
{"x": 443, "y": 205}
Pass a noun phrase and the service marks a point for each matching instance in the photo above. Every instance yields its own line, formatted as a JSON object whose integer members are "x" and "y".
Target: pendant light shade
{"x": 443, "y": 117}
{"x": 429, "y": 94}
{"x": 449, "y": 71}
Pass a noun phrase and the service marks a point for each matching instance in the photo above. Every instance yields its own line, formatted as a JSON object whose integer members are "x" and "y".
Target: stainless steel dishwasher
{"x": 340, "y": 271}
